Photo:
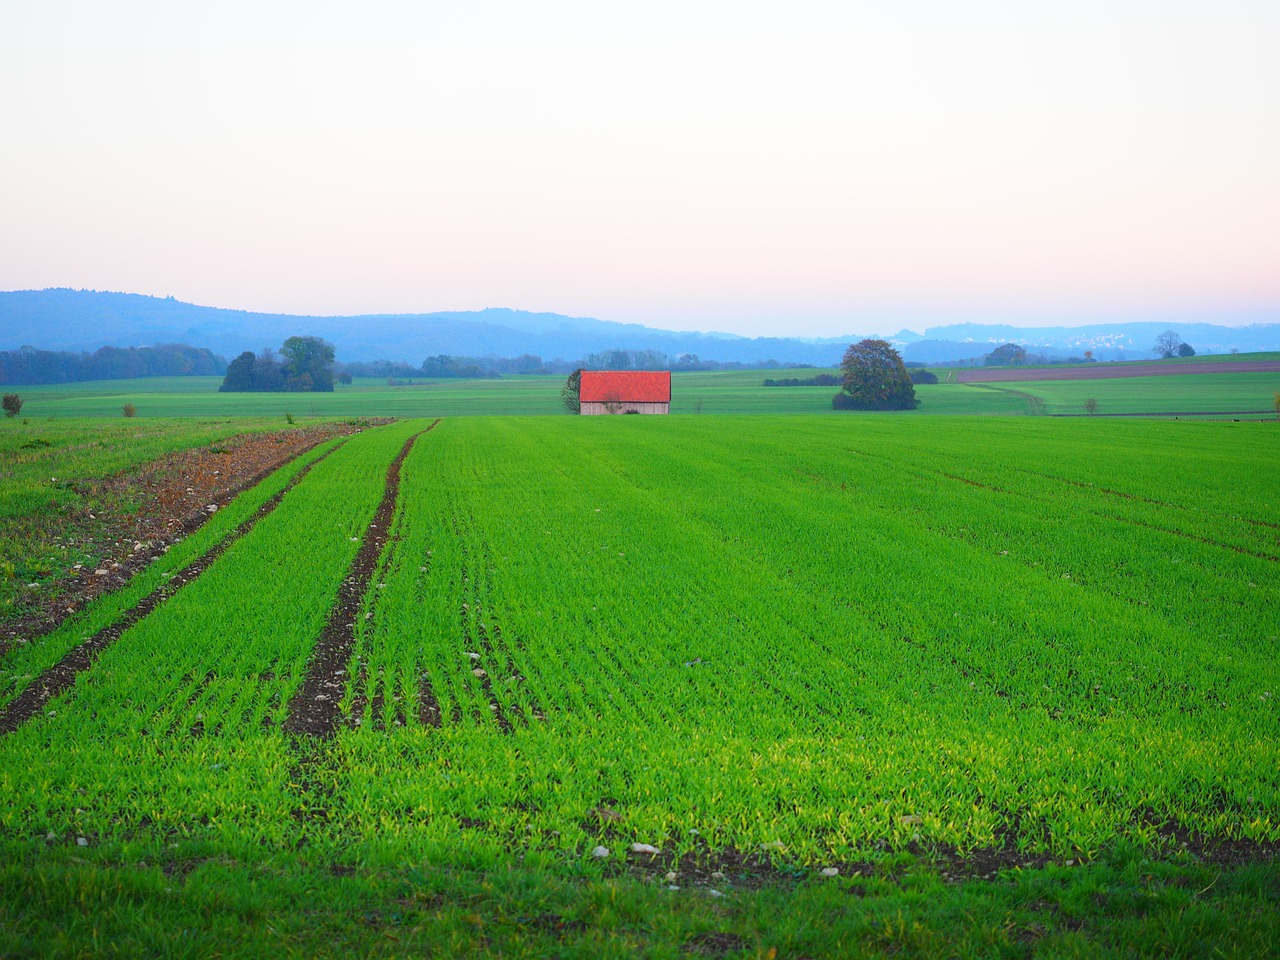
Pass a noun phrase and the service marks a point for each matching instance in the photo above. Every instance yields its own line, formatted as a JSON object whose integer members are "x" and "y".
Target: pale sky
{"x": 806, "y": 169}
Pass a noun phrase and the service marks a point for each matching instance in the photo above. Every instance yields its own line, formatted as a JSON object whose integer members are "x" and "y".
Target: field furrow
{"x": 33, "y": 697}
{"x": 315, "y": 708}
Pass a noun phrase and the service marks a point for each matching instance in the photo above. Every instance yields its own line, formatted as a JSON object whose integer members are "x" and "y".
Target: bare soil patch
{"x": 36, "y": 695}
{"x": 155, "y": 506}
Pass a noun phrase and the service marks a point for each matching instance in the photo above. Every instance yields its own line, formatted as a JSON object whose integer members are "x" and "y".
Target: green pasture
{"x": 1206, "y": 394}
{"x": 1012, "y": 679}
{"x": 714, "y": 393}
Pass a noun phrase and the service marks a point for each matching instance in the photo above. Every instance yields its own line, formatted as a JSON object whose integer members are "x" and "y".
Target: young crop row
{"x": 29, "y": 659}
{"x": 175, "y": 729}
{"x": 805, "y": 634}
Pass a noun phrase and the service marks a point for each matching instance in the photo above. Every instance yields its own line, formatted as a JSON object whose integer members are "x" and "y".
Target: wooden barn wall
{"x": 592, "y": 408}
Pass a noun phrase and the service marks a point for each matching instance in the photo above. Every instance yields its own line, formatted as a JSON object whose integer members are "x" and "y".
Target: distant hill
{"x": 84, "y": 320}
{"x": 1109, "y": 341}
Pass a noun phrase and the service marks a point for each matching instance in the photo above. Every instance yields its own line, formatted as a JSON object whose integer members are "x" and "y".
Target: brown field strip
{"x": 58, "y": 678}
{"x": 177, "y": 490}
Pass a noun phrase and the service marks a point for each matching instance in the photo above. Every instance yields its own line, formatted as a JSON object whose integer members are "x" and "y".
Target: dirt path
{"x": 44, "y": 688}
{"x": 314, "y": 709}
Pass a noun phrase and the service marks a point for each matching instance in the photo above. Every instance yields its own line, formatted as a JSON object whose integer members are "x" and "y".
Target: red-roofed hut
{"x": 624, "y": 391}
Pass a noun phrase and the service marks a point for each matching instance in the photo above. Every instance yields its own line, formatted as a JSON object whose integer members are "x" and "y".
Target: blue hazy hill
{"x": 84, "y": 320}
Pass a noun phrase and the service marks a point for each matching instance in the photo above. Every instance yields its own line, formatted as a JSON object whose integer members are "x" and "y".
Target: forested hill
{"x": 85, "y": 320}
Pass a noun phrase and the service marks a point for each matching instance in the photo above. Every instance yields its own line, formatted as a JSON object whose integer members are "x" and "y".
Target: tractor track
{"x": 58, "y": 678}
{"x": 315, "y": 710}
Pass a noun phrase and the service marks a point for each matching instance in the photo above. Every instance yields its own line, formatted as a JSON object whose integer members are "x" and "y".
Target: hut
{"x": 624, "y": 391}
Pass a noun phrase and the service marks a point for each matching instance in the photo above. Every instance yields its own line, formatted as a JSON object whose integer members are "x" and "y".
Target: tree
{"x": 1186, "y": 350}
{"x": 308, "y": 364}
{"x": 12, "y": 404}
{"x": 921, "y": 375}
{"x": 1167, "y": 344}
{"x": 1009, "y": 355}
{"x": 268, "y": 374}
{"x": 239, "y": 375}
{"x": 1090, "y": 406}
{"x": 129, "y": 410}
{"x": 569, "y": 392}
{"x": 874, "y": 379}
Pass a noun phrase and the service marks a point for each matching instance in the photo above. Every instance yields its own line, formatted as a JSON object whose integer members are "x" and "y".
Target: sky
{"x": 800, "y": 169}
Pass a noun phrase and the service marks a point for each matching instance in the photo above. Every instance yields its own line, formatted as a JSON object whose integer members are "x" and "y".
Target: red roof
{"x": 625, "y": 386}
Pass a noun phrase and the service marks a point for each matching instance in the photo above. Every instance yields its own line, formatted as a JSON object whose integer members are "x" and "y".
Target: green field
{"x": 1207, "y": 394}
{"x": 721, "y": 392}
{"x": 899, "y": 647}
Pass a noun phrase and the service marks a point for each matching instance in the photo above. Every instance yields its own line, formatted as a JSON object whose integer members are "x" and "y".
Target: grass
{"x": 140, "y": 902}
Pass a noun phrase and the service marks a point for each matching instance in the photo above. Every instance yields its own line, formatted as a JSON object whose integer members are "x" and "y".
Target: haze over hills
{"x": 84, "y": 320}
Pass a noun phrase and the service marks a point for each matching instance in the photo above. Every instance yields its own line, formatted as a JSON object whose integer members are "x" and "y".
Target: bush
{"x": 919, "y": 375}
{"x": 130, "y": 410}
{"x": 1091, "y": 406}
{"x": 12, "y": 404}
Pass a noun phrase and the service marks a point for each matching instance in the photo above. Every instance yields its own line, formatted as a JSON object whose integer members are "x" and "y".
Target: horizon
{"x": 709, "y": 168}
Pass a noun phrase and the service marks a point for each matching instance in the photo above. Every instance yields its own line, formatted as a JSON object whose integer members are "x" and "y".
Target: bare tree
{"x": 1167, "y": 344}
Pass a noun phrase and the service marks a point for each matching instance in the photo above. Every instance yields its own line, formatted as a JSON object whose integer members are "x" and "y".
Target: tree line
{"x": 818, "y": 380}
{"x": 31, "y": 366}
{"x": 444, "y": 366}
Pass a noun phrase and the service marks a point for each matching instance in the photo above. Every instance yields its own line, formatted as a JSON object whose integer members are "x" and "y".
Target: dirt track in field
{"x": 315, "y": 709}
{"x": 44, "y": 688}
{"x": 1113, "y": 371}
{"x": 175, "y": 493}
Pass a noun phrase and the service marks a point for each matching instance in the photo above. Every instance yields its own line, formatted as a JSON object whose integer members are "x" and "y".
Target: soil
{"x": 52, "y": 682}
{"x": 157, "y": 505}
{"x": 732, "y": 868}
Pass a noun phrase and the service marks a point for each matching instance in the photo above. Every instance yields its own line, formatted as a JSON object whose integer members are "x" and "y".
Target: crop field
{"x": 520, "y": 685}
{"x": 1246, "y": 395}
